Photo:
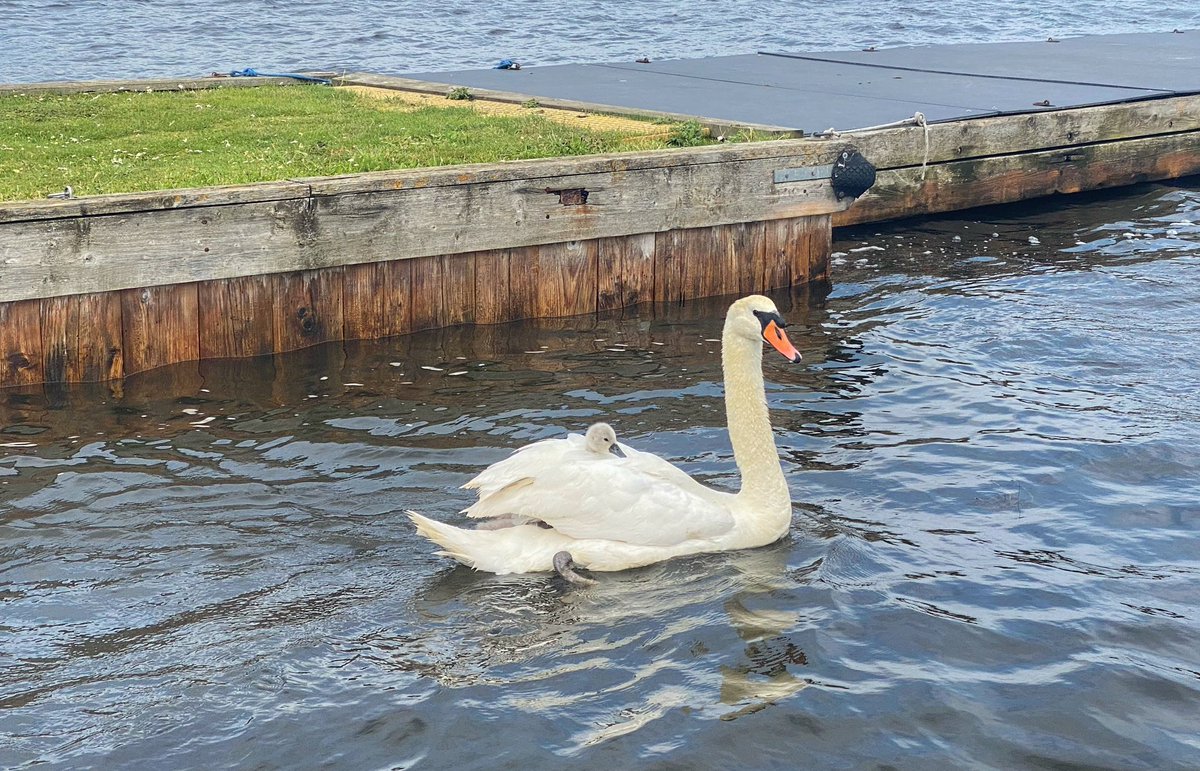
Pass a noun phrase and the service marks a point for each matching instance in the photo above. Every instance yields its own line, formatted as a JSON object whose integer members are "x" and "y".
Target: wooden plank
{"x": 443, "y": 291}
{"x": 987, "y": 181}
{"x": 804, "y": 244}
{"x": 458, "y": 288}
{"x": 707, "y": 271}
{"x": 81, "y": 338}
{"x": 307, "y": 308}
{"x": 159, "y": 326}
{"x": 727, "y": 262}
{"x": 1031, "y": 132}
{"x": 784, "y": 249}
{"x": 523, "y": 279}
{"x": 625, "y": 271}
{"x": 133, "y": 203}
{"x": 670, "y": 266}
{"x": 236, "y": 317}
{"x": 377, "y": 300}
{"x": 566, "y": 279}
{"x": 493, "y": 299}
{"x": 819, "y": 247}
{"x": 748, "y": 247}
{"x": 696, "y": 262}
{"x": 21, "y": 356}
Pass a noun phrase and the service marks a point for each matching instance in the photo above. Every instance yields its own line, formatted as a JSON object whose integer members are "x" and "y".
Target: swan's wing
{"x": 651, "y": 464}
{"x": 524, "y": 463}
{"x": 583, "y": 495}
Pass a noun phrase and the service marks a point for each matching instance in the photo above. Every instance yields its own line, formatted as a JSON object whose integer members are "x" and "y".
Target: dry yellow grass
{"x": 413, "y": 100}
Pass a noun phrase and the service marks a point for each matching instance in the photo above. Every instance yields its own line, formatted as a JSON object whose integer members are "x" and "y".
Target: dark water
{"x": 61, "y": 39}
{"x": 993, "y": 445}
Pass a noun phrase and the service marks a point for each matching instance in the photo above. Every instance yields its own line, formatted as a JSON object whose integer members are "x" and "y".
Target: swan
{"x": 556, "y": 503}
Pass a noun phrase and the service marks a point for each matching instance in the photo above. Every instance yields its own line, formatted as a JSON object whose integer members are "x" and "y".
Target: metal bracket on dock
{"x": 803, "y": 174}
{"x": 851, "y": 174}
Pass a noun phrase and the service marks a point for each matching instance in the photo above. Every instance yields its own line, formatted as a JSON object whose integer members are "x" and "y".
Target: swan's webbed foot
{"x": 564, "y": 565}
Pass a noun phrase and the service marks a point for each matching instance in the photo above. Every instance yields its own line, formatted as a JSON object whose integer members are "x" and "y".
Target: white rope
{"x": 918, "y": 119}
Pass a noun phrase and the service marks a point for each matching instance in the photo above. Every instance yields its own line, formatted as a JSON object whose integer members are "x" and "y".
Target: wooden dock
{"x": 102, "y": 287}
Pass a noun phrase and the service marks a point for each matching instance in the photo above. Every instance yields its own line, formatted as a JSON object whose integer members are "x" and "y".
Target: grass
{"x": 131, "y": 142}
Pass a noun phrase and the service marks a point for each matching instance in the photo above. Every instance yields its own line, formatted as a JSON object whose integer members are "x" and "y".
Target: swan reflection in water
{"x": 706, "y": 636}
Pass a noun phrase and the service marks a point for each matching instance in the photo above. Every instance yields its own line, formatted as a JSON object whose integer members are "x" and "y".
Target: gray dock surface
{"x": 844, "y": 90}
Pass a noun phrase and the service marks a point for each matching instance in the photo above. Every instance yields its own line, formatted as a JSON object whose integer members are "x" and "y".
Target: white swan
{"x": 556, "y": 500}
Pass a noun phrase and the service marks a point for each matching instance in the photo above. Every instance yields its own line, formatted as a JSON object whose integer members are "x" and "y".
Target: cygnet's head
{"x": 601, "y": 439}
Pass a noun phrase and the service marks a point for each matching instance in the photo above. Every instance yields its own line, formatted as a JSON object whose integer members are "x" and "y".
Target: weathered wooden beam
{"x": 158, "y": 200}
{"x": 985, "y": 181}
{"x": 47, "y": 258}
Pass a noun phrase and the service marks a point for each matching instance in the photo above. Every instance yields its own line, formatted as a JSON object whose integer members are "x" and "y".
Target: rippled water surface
{"x": 56, "y": 40}
{"x": 994, "y": 448}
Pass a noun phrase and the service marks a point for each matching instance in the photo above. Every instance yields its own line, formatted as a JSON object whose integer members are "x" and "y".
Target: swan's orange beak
{"x": 778, "y": 339}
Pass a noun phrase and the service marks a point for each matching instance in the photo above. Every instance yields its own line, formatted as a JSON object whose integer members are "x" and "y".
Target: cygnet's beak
{"x": 616, "y": 450}
{"x": 774, "y": 334}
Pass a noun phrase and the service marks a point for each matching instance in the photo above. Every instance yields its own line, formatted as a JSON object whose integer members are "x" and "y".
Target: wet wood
{"x": 377, "y": 300}
{"x": 236, "y": 317}
{"x": 566, "y": 279}
{"x": 21, "y": 354}
{"x": 82, "y": 338}
{"x": 493, "y": 296}
{"x": 748, "y": 254}
{"x": 624, "y": 271}
{"x": 159, "y": 326}
{"x": 443, "y": 291}
{"x": 307, "y": 308}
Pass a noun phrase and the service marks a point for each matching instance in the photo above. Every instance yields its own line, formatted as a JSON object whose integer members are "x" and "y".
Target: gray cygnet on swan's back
{"x": 601, "y": 439}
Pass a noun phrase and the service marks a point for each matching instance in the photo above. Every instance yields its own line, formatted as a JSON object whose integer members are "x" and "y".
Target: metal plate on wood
{"x": 803, "y": 174}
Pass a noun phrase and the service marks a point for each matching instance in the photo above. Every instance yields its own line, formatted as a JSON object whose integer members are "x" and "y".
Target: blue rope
{"x": 252, "y": 73}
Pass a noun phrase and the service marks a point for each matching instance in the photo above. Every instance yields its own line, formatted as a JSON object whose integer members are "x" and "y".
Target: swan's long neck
{"x": 764, "y": 495}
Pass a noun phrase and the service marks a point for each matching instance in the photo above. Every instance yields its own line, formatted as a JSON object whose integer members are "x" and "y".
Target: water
{"x": 993, "y": 445}
{"x": 59, "y": 40}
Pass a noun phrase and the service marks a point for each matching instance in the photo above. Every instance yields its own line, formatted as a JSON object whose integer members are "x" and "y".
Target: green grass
{"x": 127, "y": 142}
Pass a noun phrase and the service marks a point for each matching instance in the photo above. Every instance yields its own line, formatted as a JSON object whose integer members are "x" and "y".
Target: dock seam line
{"x": 965, "y": 74}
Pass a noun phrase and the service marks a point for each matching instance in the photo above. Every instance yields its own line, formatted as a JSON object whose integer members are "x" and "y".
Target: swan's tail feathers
{"x": 456, "y": 543}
